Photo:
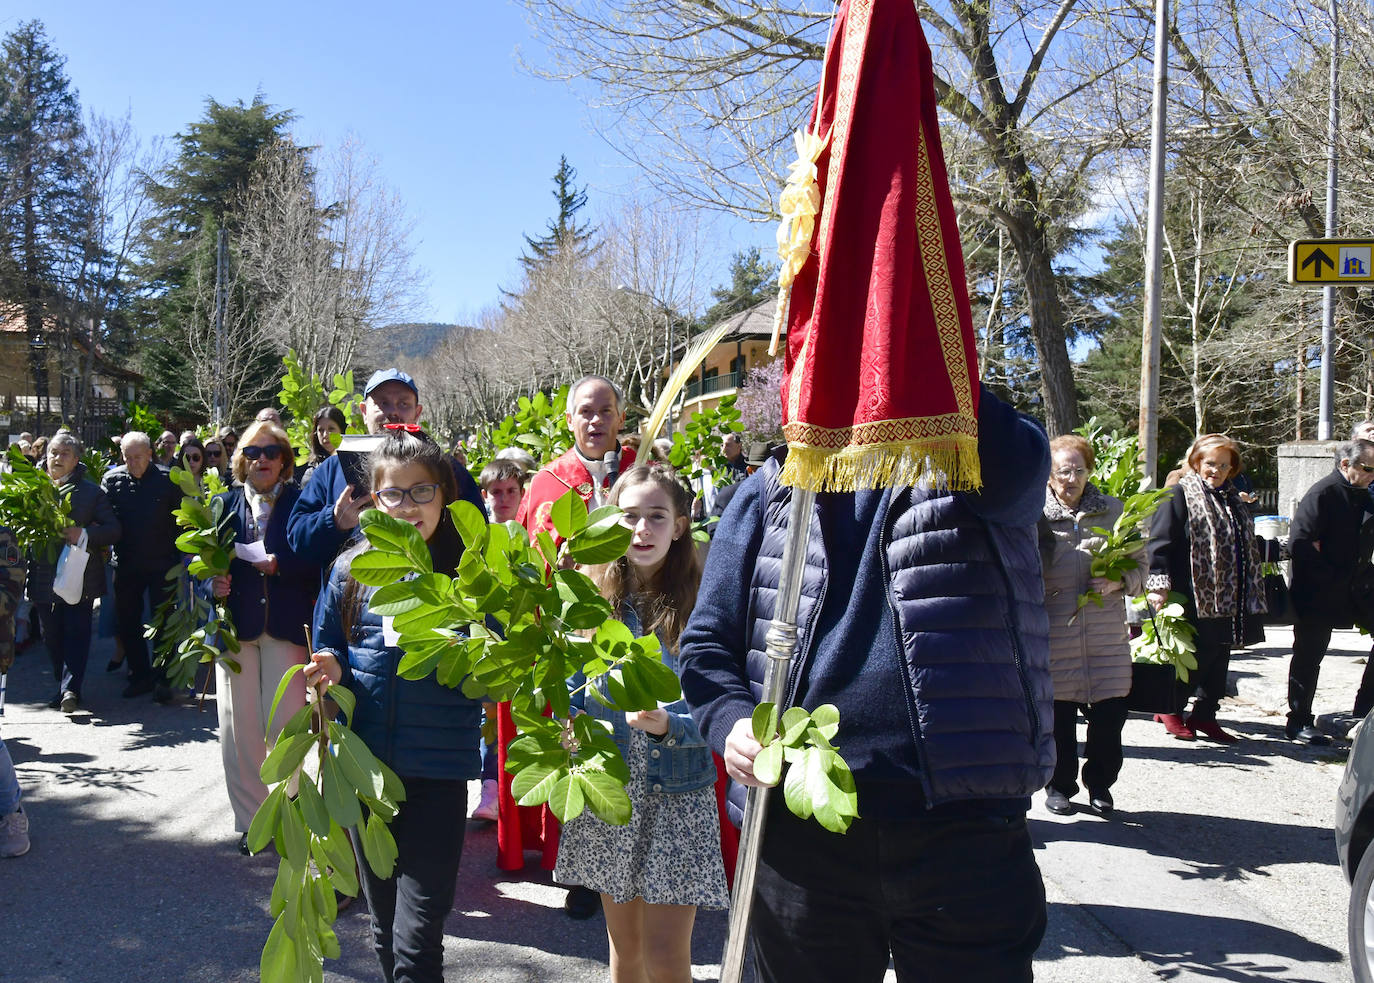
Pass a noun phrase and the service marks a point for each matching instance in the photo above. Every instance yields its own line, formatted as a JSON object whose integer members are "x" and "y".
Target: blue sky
{"x": 433, "y": 90}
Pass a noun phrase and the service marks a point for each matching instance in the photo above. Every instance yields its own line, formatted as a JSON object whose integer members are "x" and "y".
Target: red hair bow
{"x": 407, "y": 427}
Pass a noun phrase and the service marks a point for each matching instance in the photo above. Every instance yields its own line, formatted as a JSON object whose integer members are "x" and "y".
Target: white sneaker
{"x": 487, "y": 808}
{"x": 14, "y": 834}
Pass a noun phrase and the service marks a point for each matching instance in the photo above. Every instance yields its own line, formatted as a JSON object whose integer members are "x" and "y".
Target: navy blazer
{"x": 281, "y": 604}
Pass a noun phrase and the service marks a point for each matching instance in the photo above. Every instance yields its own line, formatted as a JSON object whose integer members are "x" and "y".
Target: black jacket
{"x": 1329, "y": 517}
{"x": 90, "y": 510}
{"x": 281, "y": 604}
{"x": 1170, "y": 562}
{"x": 147, "y": 543}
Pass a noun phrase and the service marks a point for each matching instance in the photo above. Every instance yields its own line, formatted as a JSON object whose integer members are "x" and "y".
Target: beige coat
{"x": 1090, "y": 655}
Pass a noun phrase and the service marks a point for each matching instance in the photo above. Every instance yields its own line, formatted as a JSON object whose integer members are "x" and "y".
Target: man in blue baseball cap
{"x": 326, "y": 515}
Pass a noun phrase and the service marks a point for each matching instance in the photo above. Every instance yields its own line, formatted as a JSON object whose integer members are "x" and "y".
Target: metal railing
{"x": 714, "y": 384}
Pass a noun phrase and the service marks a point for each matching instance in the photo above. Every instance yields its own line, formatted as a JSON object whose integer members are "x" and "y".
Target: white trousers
{"x": 244, "y": 701}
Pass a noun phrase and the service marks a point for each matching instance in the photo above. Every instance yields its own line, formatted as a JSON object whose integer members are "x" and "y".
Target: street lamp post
{"x": 1329, "y": 291}
{"x": 1150, "y": 342}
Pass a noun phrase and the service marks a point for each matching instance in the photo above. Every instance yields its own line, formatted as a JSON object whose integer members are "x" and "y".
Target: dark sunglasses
{"x": 1366, "y": 468}
{"x": 271, "y": 453}
{"x": 193, "y": 458}
{"x": 214, "y": 454}
{"x": 419, "y": 494}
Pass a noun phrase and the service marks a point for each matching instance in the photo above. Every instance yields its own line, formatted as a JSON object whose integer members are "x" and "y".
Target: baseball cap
{"x": 390, "y": 375}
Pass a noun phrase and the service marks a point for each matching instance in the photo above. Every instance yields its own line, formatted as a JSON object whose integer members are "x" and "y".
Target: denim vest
{"x": 681, "y": 760}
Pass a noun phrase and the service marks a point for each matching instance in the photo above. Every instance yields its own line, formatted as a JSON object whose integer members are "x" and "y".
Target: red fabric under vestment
{"x": 521, "y": 828}
{"x": 553, "y": 481}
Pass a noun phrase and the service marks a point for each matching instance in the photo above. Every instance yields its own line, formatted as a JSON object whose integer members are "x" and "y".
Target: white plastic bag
{"x": 70, "y": 580}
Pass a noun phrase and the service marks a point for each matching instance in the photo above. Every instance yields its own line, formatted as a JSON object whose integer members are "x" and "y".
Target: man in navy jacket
{"x": 327, "y": 513}
{"x": 922, "y": 619}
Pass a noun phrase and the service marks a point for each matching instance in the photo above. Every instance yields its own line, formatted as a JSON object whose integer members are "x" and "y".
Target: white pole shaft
{"x": 1154, "y": 241}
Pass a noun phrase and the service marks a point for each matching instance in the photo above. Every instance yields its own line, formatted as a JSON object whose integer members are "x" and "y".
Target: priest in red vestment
{"x": 595, "y": 415}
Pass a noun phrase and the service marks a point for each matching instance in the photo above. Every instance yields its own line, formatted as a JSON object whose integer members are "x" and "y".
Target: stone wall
{"x": 1301, "y": 465}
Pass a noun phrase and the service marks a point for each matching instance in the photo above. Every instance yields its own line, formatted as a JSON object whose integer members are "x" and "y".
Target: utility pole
{"x": 221, "y": 409}
{"x": 1329, "y": 292}
{"x": 1154, "y": 240}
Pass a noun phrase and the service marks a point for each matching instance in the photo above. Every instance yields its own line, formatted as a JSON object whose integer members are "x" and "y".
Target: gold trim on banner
{"x": 935, "y": 264}
{"x": 949, "y": 462}
{"x": 915, "y": 428}
{"x": 851, "y": 54}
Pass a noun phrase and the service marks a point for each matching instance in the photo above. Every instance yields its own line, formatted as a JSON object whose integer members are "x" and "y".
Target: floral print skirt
{"x": 668, "y": 853}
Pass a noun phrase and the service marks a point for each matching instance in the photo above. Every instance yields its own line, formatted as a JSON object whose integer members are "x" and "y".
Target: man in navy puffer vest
{"x": 922, "y": 620}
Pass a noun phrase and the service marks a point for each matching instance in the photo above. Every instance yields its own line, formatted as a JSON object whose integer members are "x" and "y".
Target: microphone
{"x": 611, "y": 459}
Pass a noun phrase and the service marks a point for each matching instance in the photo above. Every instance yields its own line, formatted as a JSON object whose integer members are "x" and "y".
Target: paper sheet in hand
{"x": 251, "y": 552}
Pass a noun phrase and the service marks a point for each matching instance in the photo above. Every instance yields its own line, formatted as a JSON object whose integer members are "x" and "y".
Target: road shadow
{"x": 1260, "y": 744}
{"x": 1205, "y": 846}
{"x": 1224, "y": 949}
{"x": 523, "y": 908}
{"x": 101, "y": 898}
{"x": 152, "y": 725}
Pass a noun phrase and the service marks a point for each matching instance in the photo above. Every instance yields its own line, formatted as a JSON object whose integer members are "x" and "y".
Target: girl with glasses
{"x": 426, "y": 733}
{"x": 270, "y": 593}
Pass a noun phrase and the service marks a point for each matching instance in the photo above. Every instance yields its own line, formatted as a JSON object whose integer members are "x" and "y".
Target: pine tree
{"x": 752, "y": 281}
{"x": 202, "y": 189}
{"x": 43, "y": 208}
{"x": 563, "y": 231}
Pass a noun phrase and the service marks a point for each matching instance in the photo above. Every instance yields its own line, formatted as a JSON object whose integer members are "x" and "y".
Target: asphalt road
{"x": 1219, "y": 864}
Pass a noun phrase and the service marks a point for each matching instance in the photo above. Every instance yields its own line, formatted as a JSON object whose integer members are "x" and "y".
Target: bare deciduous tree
{"x": 704, "y": 95}
{"x": 236, "y": 361}
{"x": 116, "y": 162}
{"x": 608, "y": 312}
{"x": 327, "y": 249}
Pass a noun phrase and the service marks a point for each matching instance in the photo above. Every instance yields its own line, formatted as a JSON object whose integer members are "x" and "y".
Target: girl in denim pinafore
{"x": 654, "y": 872}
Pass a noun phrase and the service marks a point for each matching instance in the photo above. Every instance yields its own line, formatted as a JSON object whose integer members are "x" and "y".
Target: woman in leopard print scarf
{"x": 1202, "y": 545}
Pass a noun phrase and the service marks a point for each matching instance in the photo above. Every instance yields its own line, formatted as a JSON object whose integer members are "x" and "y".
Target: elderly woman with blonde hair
{"x": 1203, "y": 546}
{"x": 271, "y": 596}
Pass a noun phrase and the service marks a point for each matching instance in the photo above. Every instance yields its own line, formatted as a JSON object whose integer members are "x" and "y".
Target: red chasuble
{"x": 553, "y": 481}
{"x": 881, "y": 376}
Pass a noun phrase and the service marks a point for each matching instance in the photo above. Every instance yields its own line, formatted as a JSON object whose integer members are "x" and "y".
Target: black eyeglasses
{"x": 419, "y": 494}
{"x": 271, "y": 453}
{"x": 215, "y": 454}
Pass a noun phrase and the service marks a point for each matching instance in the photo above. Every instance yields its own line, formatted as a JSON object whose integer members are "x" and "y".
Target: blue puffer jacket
{"x": 419, "y": 728}
{"x": 947, "y": 683}
{"x": 680, "y": 761}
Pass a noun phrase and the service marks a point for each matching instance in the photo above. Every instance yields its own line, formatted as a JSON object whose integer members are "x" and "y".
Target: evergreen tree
{"x": 43, "y": 208}
{"x": 206, "y": 182}
{"x": 752, "y": 281}
{"x": 201, "y": 190}
{"x": 563, "y": 231}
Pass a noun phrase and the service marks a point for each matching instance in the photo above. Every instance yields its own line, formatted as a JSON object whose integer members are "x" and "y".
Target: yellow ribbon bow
{"x": 799, "y": 204}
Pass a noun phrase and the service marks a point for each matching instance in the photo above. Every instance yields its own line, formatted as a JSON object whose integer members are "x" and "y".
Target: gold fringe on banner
{"x": 949, "y": 462}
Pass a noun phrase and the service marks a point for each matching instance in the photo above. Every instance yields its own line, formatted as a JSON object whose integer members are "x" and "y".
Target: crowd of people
{"x": 921, "y": 673}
